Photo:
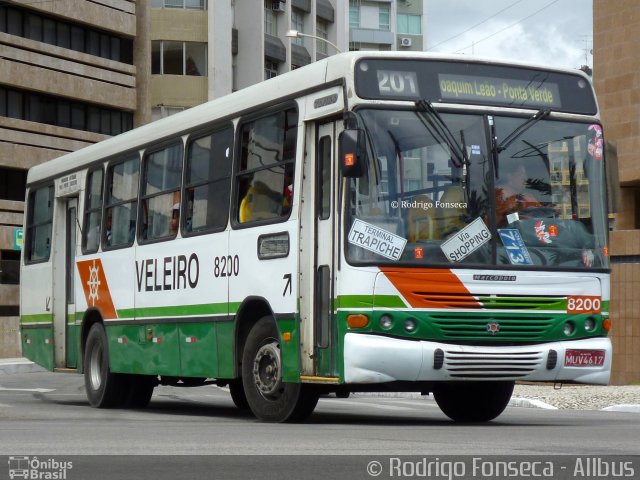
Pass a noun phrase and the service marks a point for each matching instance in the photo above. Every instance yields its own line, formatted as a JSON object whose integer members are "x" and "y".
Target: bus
{"x": 350, "y": 226}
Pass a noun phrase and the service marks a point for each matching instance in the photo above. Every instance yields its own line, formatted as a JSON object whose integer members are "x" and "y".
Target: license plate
{"x": 584, "y": 358}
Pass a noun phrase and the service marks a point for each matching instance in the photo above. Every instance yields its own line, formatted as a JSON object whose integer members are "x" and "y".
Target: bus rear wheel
{"x": 138, "y": 390}
{"x": 269, "y": 398}
{"x": 104, "y": 388}
{"x": 473, "y": 401}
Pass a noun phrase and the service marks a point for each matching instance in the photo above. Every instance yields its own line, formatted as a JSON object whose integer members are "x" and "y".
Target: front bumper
{"x": 378, "y": 359}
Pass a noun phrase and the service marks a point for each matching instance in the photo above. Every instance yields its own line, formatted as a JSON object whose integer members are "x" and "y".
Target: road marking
{"x": 37, "y": 390}
{"x": 362, "y": 404}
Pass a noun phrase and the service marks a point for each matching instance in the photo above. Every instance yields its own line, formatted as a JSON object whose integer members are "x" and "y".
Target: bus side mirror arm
{"x": 352, "y": 152}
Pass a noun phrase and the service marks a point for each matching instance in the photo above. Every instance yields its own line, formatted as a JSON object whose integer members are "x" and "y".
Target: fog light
{"x": 385, "y": 322}
{"x": 568, "y": 328}
{"x": 410, "y": 325}
{"x": 590, "y": 324}
{"x": 357, "y": 321}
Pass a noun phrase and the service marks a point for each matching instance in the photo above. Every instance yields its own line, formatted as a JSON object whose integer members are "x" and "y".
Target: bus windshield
{"x": 539, "y": 201}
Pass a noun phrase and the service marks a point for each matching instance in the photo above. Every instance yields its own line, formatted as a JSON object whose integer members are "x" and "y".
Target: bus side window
{"x": 208, "y": 181}
{"x": 264, "y": 183}
{"x": 39, "y": 223}
{"x": 93, "y": 212}
{"x": 121, "y": 203}
{"x": 161, "y": 192}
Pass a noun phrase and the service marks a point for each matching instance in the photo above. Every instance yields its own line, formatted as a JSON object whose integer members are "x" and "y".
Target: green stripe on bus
{"x": 37, "y": 318}
{"x": 367, "y": 301}
{"x": 180, "y": 310}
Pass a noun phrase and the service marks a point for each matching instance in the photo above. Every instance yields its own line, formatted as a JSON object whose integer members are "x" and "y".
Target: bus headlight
{"x": 385, "y": 322}
{"x": 568, "y": 328}
{"x": 410, "y": 325}
{"x": 590, "y": 324}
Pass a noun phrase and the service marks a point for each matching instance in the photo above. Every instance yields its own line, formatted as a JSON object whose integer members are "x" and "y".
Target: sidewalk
{"x": 18, "y": 365}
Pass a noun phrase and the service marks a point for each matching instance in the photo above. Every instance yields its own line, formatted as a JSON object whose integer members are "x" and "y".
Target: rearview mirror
{"x": 352, "y": 152}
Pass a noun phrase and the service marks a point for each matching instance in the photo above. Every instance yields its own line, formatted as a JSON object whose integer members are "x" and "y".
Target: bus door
{"x": 70, "y": 267}
{"x": 325, "y": 333}
{"x": 64, "y": 261}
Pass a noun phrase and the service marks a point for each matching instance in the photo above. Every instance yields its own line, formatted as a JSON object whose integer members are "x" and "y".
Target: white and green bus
{"x": 376, "y": 221}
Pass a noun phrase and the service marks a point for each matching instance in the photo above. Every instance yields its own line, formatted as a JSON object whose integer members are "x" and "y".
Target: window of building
{"x": 190, "y": 4}
{"x": 42, "y": 28}
{"x": 354, "y": 15}
{"x": 61, "y": 112}
{"x": 270, "y": 69}
{"x": 196, "y": 58}
{"x": 10, "y": 267}
{"x": 264, "y": 183}
{"x": 383, "y": 18}
{"x": 119, "y": 228}
{"x": 178, "y": 58}
{"x": 409, "y": 24}
{"x": 160, "y": 196}
{"x": 39, "y": 221}
{"x": 13, "y": 182}
{"x": 208, "y": 182}
{"x": 297, "y": 23}
{"x": 322, "y": 28}
{"x": 270, "y": 19}
{"x": 93, "y": 212}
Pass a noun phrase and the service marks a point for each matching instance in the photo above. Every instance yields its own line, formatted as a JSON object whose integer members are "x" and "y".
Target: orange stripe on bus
{"x": 430, "y": 288}
{"x": 96, "y": 288}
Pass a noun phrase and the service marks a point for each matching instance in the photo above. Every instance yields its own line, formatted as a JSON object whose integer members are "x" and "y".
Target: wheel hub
{"x": 267, "y": 370}
{"x": 95, "y": 368}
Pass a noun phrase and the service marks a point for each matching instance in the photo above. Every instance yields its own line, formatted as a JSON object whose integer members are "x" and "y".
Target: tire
{"x": 236, "y": 388}
{"x": 138, "y": 391}
{"x": 271, "y": 399}
{"x": 473, "y": 401}
{"x": 104, "y": 389}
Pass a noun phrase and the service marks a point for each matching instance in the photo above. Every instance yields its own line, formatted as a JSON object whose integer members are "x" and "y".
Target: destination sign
{"x": 499, "y": 90}
{"x": 474, "y": 83}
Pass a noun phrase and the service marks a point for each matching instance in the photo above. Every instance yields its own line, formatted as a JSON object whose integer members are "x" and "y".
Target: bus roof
{"x": 314, "y": 75}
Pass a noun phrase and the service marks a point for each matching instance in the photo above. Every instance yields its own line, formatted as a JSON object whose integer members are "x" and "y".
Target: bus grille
{"x": 483, "y": 302}
{"x": 492, "y": 327}
{"x": 491, "y": 364}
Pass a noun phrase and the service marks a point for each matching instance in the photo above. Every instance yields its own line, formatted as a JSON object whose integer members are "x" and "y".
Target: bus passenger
{"x": 512, "y": 197}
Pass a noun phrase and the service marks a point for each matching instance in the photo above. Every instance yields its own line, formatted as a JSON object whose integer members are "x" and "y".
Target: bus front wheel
{"x": 269, "y": 398}
{"x": 104, "y": 389}
{"x": 473, "y": 401}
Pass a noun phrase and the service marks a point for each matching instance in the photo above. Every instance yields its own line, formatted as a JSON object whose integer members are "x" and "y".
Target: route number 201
{"x": 397, "y": 83}
{"x": 584, "y": 304}
{"x": 226, "y": 266}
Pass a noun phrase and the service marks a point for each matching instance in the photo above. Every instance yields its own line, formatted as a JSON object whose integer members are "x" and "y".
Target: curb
{"x": 10, "y": 366}
{"x": 629, "y": 408}
{"x": 530, "y": 403}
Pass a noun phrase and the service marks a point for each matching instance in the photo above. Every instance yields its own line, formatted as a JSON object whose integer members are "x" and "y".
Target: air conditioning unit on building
{"x": 277, "y": 6}
{"x": 405, "y": 42}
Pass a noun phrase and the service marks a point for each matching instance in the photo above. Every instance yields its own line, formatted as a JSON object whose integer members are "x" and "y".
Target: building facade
{"x": 68, "y": 78}
{"x": 616, "y": 58}
{"x": 202, "y": 49}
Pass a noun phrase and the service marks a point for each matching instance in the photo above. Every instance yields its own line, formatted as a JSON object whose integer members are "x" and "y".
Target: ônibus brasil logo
{"x": 36, "y": 469}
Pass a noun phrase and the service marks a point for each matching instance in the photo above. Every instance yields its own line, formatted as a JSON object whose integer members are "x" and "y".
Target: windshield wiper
{"x": 438, "y": 127}
{"x": 509, "y": 139}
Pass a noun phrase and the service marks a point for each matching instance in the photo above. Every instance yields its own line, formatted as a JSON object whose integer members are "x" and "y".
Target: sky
{"x": 550, "y": 32}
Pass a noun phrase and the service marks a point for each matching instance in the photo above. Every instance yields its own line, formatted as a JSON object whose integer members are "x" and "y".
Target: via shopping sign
{"x": 466, "y": 241}
{"x": 18, "y": 238}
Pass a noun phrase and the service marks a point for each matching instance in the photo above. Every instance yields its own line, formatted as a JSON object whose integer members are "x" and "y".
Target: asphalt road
{"x": 46, "y": 413}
